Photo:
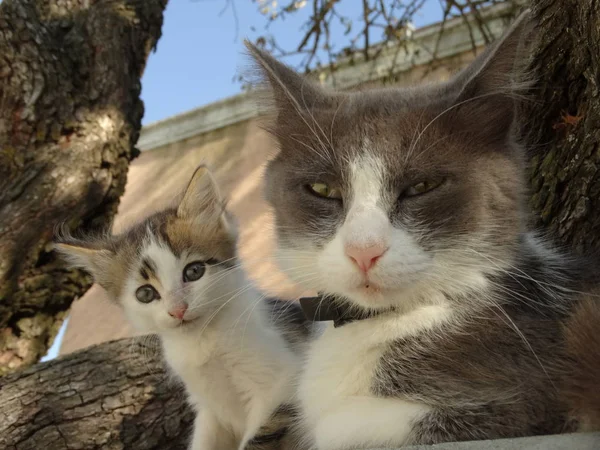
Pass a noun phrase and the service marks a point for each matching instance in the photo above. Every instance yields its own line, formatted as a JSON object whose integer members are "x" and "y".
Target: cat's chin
{"x": 371, "y": 296}
{"x": 180, "y": 324}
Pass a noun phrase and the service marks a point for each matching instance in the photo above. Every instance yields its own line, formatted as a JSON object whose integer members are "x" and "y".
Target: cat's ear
{"x": 202, "y": 199}
{"x": 291, "y": 91}
{"x": 93, "y": 256}
{"x": 487, "y": 90}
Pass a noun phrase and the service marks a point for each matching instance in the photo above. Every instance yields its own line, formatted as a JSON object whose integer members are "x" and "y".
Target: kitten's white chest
{"x": 187, "y": 357}
{"x": 339, "y": 410}
{"x": 207, "y": 380}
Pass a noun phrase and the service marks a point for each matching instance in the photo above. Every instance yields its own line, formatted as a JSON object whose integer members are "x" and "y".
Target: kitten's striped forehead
{"x": 142, "y": 251}
{"x": 159, "y": 263}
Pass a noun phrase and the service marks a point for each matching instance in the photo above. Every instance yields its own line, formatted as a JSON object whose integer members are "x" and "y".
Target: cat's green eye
{"x": 193, "y": 271}
{"x": 146, "y": 294}
{"x": 324, "y": 190}
{"x": 422, "y": 187}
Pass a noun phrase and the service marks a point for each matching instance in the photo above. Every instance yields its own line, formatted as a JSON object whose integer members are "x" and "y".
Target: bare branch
{"x": 382, "y": 22}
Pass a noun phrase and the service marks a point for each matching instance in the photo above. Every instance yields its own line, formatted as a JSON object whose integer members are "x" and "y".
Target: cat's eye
{"x": 193, "y": 271}
{"x": 422, "y": 187}
{"x": 146, "y": 294}
{"x": 325, "y": 191}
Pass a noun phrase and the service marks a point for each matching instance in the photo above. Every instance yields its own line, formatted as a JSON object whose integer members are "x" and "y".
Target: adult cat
{"x": 407, "y": 209}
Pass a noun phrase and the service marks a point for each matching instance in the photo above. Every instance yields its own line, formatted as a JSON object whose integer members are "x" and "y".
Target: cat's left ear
{"x": 486, "y": 91}
{"x": 202, "y": 200}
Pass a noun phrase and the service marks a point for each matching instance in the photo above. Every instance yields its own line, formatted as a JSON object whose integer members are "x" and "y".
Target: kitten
{"x": 176, "y": 274}
{"x": 406, "y": 209}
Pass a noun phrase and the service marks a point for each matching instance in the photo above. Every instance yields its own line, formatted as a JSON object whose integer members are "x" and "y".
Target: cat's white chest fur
{"x": 339, "y": 409}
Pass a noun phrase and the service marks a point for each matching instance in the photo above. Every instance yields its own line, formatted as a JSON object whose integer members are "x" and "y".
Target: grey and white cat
{"x": 176, "y": 274}
{"x": 406, "y": 209}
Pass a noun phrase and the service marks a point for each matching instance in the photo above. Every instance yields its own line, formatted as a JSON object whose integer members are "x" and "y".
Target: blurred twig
{"x": 332, "y": 33}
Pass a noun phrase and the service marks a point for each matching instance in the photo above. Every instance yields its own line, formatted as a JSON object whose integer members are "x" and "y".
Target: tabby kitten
{"x": 176, "y": 274}
{"x": 406, "y": 209}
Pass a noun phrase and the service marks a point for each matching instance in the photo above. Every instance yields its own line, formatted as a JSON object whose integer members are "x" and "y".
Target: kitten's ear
{"x": 291, "y": 91}
{"x": 488, "y": 88}
{"x": 202, "y": 199}
{"x": 92, "y": 256}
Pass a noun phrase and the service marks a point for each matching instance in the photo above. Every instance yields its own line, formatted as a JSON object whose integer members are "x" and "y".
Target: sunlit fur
{"x": 468, "y": 343}
{"x": 229, "y": 349}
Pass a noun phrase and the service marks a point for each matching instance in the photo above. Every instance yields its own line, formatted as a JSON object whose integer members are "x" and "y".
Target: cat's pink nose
{"x": 179, "y": 311}
{"x": 365, "y": 257}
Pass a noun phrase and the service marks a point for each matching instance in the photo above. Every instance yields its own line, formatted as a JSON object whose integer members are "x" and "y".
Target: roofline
{"x": 242, "y": 107}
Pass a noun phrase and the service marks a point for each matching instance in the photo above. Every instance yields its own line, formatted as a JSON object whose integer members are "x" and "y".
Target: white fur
{"x": 236, "y": 367}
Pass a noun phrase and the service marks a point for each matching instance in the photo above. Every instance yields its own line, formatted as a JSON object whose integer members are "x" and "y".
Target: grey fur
{"x": 500, "y": 368}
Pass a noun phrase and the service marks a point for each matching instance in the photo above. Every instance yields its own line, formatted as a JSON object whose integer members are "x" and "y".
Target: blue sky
{"x": 53, "y": 351}
{"x": 198, "y": 54}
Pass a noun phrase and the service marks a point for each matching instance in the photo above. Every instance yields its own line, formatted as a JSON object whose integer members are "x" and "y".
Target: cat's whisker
{"x": 456, "y": 105}
{"x": 412, "y": 141}
{"x": 514, "y": 326}
{"x": 311, "y": 148}
{"x": 337, "y": 109}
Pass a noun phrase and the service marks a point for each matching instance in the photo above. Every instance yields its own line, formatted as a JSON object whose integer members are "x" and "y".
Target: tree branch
{"x": 111, "y": 396}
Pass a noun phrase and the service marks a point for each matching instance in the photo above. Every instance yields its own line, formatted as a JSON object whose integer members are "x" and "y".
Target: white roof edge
{"x": 241, "y": 107}
{"x": 200, "y": 120}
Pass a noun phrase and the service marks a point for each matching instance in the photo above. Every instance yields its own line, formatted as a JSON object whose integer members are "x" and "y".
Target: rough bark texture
{"x": 564, "y": 121}
{"x": 112, "y": 396}
{"x": 70, "y": 115}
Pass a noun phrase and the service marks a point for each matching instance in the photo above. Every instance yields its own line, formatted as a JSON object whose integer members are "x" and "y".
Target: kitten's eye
{"x": 324, "y": 190}
{"x": 422, "y": 187}
{"x": 146, "y": 294}
{"x": 193, "y": 271}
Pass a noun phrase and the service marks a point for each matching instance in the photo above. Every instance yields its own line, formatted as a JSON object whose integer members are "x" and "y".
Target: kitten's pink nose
{"x": 365, "y": 257}
{"x": 179, "y": 311}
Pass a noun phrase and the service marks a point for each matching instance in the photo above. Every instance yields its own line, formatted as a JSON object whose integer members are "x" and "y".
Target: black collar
{"x": 325, "y": 308}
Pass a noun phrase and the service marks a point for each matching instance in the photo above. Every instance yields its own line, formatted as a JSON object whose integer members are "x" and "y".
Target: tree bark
{"x": 112, "y": 396}
{"x": 564, "y": 122}
{"x": 70, "y": 115}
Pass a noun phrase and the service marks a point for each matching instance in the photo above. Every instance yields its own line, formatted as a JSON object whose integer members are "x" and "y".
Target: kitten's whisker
{"x": 258, "y": 301}
{"x": 209, "y": 320}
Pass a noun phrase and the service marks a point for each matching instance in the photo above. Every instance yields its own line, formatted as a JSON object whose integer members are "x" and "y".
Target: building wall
{"x": 237, "y": 153}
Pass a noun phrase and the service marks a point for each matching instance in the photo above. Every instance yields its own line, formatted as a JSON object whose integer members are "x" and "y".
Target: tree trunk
{"x": 70, "y": 115}
{"x": 112, "y": 396}
{"x": 563, "y": 125}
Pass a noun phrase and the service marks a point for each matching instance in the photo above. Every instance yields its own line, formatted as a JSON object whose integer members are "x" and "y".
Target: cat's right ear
{"x": 291, "y": 91}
